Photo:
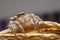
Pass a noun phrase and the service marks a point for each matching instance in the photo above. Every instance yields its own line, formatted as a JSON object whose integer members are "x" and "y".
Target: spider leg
{"x": 39, "y": 19}
{"x": 20, "y": 27}
{"x": 34, "y": 23}
{"x": 34, "y": 18}
{"x": 11, "y": 28}
{"x": 38, "y": 27}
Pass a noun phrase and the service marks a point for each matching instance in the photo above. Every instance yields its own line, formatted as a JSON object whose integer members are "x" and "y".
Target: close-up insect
{"x": 25, "y": 17}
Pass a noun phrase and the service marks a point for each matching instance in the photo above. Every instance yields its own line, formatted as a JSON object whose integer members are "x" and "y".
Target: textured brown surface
{"x": 30, "y": 36}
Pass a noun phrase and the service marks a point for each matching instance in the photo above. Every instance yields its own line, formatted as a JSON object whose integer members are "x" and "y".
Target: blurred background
{"x": 48, "y": 10}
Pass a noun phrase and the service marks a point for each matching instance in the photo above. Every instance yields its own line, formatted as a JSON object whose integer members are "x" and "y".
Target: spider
{"x": 25, "y": 18}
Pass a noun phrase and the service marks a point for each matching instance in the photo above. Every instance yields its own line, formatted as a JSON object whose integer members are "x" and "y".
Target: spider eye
{"x": 23, "y": 13}
{"x": 18, "y": 15}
